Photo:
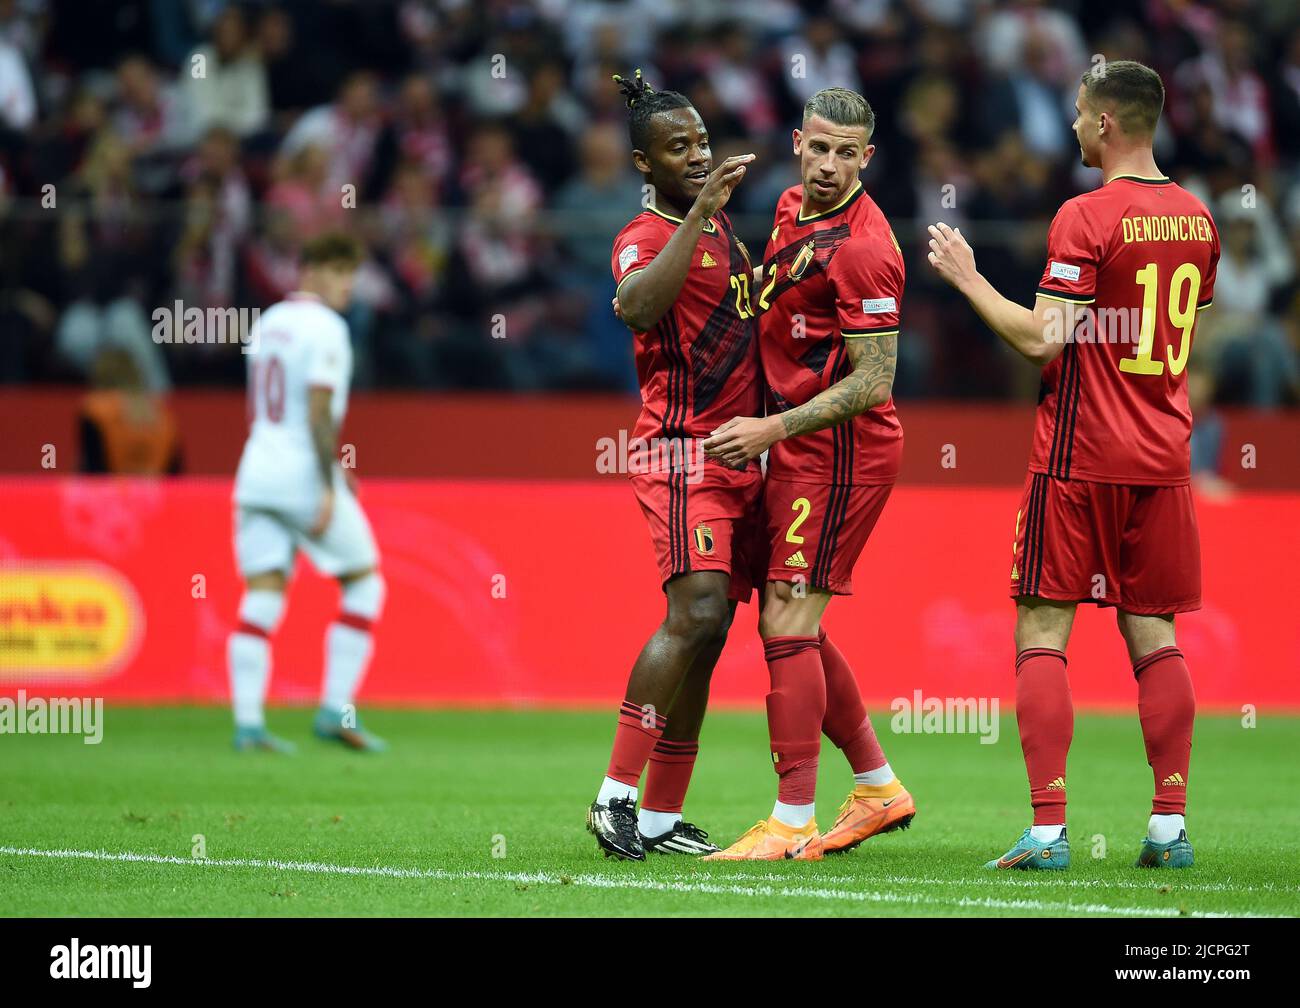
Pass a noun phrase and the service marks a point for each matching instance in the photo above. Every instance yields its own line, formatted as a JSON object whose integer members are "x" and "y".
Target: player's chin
{"x": 821, "y": 190}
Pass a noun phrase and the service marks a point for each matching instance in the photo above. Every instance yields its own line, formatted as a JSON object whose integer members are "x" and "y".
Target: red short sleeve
{"x": 867, "y": 277}
{"x": 637, "y": 244}
{"x": 1072, "y": 257}
{"x": 1206, "y": 297}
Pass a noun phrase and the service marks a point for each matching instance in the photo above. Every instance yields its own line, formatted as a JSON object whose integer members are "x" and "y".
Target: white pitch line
{"x": 1006, "y": 878}
{"x": 609, "y": 882}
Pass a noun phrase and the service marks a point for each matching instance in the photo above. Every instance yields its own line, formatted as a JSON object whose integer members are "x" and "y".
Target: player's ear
{"x": 867, "y": 151}
{"x": 641, "y": 161}
{"x": 798, "y": 141}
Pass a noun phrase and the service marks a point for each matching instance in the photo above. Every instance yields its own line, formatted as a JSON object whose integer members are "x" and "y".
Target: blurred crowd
{"x": 155, "y": 150}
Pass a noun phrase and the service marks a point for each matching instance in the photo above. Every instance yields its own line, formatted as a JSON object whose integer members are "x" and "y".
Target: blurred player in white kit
{"x": 291, "y": 494}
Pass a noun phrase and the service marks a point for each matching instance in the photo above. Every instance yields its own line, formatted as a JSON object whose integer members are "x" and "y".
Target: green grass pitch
{"x": 481, "y": 813}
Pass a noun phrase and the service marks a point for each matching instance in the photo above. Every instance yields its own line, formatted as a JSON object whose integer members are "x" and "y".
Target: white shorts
{"x": 268, "y": 540}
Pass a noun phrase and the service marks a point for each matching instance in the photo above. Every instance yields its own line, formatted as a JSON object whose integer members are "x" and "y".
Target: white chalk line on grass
{"x": 1007, "y": 878}
{"x": 775, "y": 888}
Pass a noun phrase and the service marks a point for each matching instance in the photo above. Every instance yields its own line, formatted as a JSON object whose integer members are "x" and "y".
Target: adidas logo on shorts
{"x": 797, "y": 560}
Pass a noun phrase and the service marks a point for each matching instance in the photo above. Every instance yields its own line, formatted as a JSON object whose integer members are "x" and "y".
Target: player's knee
{"x": 261, "y": 608}
{"x": 704, "y": 618}
{"x": 363, "y": 595}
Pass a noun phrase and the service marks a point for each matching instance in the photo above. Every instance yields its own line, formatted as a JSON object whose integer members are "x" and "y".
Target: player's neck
{"x": 665, "y": 205}
{"x": 1139, "y": 162}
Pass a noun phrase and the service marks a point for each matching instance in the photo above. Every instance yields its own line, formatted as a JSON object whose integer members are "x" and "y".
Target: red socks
{"x": 796, "y": 707}
{"x": 669, "y": 775}
{"x": 1045, "y": 716}
{"x": 635, "y": 737}
{"x": 1166, "y": 708}
{"x": 846, "y": 722}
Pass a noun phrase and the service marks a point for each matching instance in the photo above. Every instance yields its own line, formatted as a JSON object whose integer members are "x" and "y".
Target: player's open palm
{"x": 950, "y": 255}
{"x": 720, "y": 183}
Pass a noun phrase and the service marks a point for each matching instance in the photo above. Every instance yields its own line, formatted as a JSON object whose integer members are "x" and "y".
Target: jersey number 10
{"x": 266, "y": 389}
{"x": 1182, "y": 315}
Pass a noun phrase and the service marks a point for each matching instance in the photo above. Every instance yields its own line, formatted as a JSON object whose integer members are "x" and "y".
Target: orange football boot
{"x": 773, "y": 840}
{"x": 869, "y": 810}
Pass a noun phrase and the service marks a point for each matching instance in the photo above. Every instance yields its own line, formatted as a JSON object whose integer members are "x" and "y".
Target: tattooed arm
{"x": 869, "y": 384}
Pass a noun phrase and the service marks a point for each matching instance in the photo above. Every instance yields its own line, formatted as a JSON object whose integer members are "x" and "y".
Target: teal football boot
{"x": 1174, "y": 854}
{"x": 334, "y": 727}
{"x": 1029, "y": 854}
{"x": 258, "y": 739}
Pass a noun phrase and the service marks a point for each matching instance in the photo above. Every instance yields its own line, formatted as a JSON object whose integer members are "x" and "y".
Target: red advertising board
{"x": 542, "y": 593}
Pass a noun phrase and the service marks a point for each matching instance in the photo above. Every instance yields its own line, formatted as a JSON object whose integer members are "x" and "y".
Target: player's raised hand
{"x": 324, "y": 514}
{"x": 952, "y": 258}
{"x": 618, "y": 309}
{"x": 721, "y": 181}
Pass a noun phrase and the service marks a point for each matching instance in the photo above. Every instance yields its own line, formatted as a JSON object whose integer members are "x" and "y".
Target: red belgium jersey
{"x": 698, "y": 365}
{"x": 1113, "y": 406}
{"x": 829, "y": 277}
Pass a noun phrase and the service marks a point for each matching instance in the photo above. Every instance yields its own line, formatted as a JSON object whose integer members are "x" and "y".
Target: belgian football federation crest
{"x": 703, "y": 540}
{"x": 803, "y": 260}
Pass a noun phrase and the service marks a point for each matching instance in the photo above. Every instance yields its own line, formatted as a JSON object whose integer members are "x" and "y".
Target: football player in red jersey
{"x": 683, "y": 288}
{"x": 1107, "y": 514}
{"x": 829, "y": 296}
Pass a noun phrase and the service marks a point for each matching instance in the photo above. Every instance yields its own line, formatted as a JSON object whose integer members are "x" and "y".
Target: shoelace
{"x": 622, "y": 813}
{"x": 754, "y": 831}
{"x": 845, "y": 808}
{"x": 692, "y": 831}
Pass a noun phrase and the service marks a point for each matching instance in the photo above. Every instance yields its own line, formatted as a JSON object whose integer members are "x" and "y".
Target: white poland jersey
{"x": 296, "y": 345}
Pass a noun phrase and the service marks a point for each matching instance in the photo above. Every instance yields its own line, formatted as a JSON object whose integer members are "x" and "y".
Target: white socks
{"x": 795, "y": 816}
{"x": 249, "y": 655}
{"x": 878, "y": 777}
{"x": 610, "y": 788}
{"x": 653, "y": 824}
{"x": 348, "y": 641}
{"x": 1161, "y": 829}
{"x": 1165, "y": 828}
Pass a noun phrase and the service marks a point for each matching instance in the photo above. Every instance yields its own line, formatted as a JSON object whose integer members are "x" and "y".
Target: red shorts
{"x": 704, "y": 520}
{"x": 1133, "y": 547}
{"x": 816, "y": 531}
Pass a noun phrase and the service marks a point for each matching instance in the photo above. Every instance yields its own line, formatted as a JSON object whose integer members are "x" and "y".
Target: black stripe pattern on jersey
{"x": 724, "y": 340}
{"x": 674, "y": 432}
{"x": 824, "y": 241}
{"x": 1031, "y": 558}
{"x": 1067, "y": 409}
{"x": 842, "y": 450}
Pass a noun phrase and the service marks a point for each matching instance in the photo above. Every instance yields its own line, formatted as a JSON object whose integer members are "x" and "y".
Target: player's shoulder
{"x": 791, "y": 199}
{"x": 1080, "y": 207}
{"x": 309, "y": 312}
{"x": 646, "y": 222}
{"x": 870, "y": 232}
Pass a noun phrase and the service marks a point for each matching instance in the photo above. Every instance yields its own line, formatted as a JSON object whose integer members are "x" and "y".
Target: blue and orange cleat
{"x": 1174, "y": 854}
{"x": 258, "y": 739}
{"x": 333, "y": 727}
{"x": 1029, "y": 854}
